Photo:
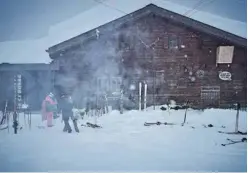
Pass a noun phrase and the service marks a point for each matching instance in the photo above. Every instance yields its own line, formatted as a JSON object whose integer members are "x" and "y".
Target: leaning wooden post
{"x": 237, "y": 118}
{"x": 7, "y": 117}
{"x": 185, "y": 114}
{"x": 168, "y": 107}
{"x": 5, "y": 114}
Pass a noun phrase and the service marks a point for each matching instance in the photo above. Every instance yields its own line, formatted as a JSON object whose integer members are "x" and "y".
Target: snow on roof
{"x": 28, "y": 51}
{"x": 101, "y": 15}
{"x": 33, "y": 51}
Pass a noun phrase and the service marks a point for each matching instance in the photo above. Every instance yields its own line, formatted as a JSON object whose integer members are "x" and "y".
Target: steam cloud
{"x": 104, "y": 56}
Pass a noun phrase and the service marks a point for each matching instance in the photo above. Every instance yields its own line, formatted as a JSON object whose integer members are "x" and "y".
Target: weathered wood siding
{"x": 137, "y": 58}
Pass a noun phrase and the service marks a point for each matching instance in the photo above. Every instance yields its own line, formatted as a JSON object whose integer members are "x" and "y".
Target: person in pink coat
{"x": 49, "y": 109}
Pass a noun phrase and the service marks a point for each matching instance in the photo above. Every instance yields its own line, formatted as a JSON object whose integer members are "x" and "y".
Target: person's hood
{"x": 51, "y": 95}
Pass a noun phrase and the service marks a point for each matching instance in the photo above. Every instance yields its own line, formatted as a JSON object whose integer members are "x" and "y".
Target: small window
{"x": 224, "y": 54}
{"x": 173, "y": 42}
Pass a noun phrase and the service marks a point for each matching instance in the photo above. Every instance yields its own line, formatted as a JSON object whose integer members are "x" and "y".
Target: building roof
{"x": 24, "y": 51}
{"x": 151, "y": 8}
{"x": 27, "y": 67}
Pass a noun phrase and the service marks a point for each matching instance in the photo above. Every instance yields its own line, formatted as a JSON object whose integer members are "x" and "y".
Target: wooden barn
{"x": 179, "y": 58}
{"x": 25, "y": 83}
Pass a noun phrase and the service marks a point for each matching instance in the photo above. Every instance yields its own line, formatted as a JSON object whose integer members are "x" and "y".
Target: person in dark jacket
{"x": 66, "y": 107}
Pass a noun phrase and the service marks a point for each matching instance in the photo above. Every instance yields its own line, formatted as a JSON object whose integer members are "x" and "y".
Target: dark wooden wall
{"x": 35, "y": 86}
{"x": 130, "y": 49}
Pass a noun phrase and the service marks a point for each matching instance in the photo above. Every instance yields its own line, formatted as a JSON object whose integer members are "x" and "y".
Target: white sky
{"x": 33, "y": 51}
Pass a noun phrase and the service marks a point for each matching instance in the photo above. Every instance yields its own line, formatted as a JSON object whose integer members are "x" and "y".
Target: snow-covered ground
{"x": 125, "y": 144}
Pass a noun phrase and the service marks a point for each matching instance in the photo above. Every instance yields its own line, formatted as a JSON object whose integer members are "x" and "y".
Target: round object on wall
{"x": 225, "y": 75}
{"x": 192, "y": 79}
{"x": 200, "y": 73}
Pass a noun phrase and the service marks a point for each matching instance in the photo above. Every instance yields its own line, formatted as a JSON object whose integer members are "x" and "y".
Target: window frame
{"x": 173, "y": 42}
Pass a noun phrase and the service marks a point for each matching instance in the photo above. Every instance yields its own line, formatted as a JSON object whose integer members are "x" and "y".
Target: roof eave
{"x": 197, "y": 25}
